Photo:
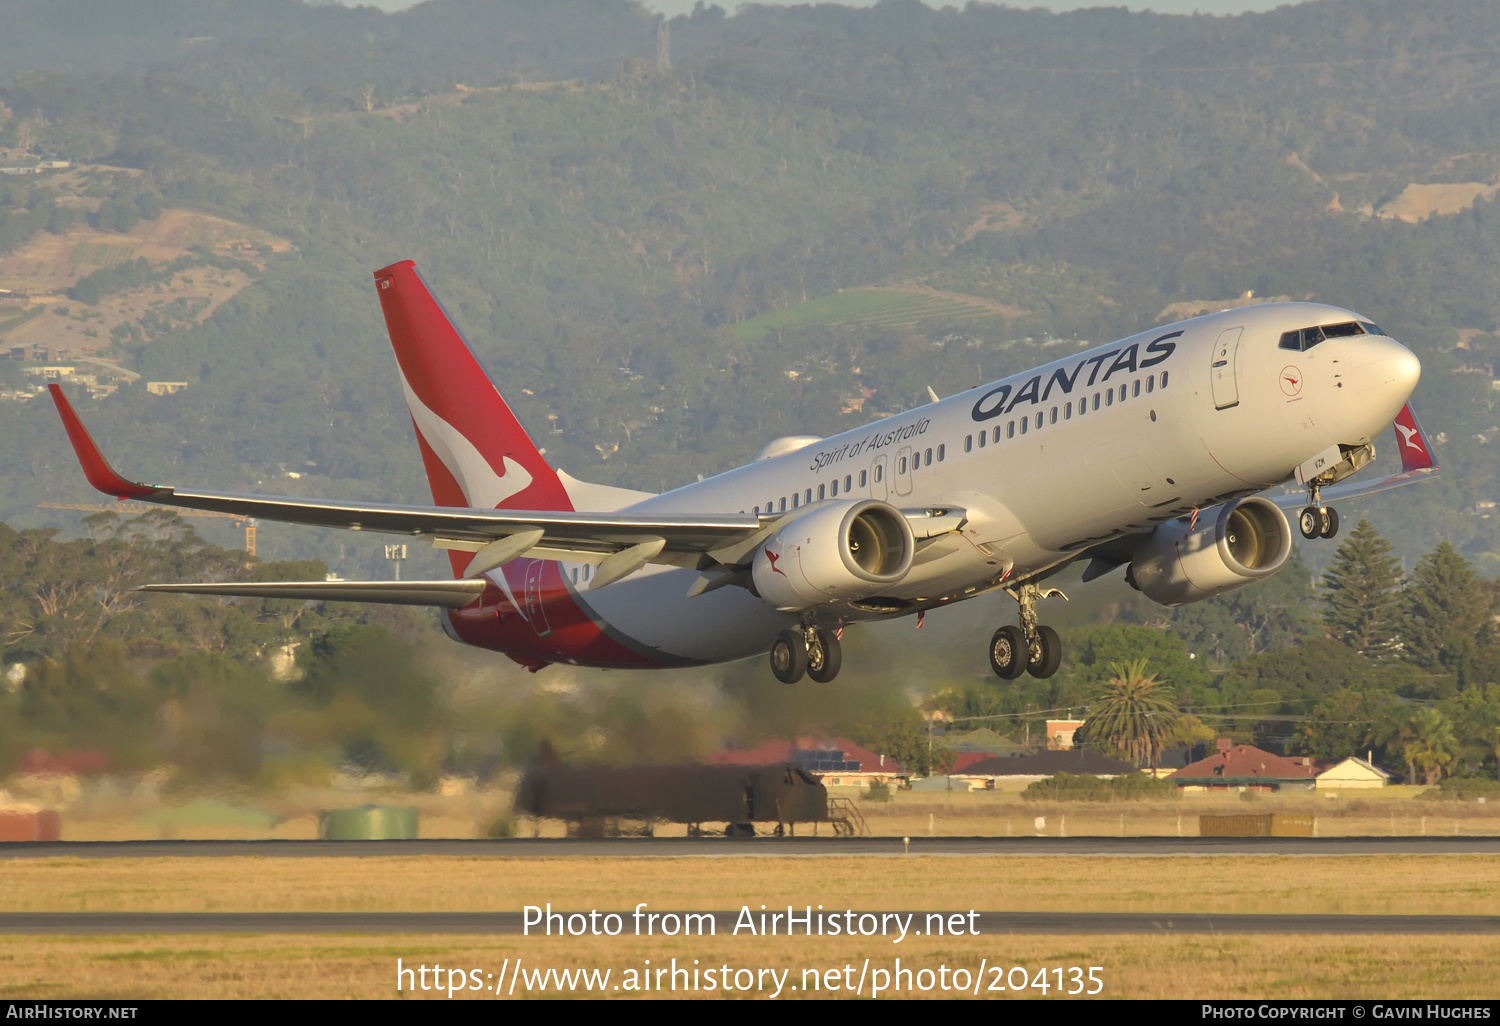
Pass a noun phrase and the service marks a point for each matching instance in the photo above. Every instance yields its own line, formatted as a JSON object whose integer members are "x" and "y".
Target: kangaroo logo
{"x": 774, "y": 558}
{"x": 1408, "y": 437}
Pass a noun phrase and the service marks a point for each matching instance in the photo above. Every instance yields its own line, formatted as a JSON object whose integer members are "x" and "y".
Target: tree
{"x": 1443, "y": 610}
{"x": 1360, "y": 592}
{"x": 1433, "y": 746}
{"x": 1134, "y": 714}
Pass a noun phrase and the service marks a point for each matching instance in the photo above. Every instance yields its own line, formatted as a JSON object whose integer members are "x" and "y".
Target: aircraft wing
{"x": 694, "y": 541}
{"x": 1418, "y": 463}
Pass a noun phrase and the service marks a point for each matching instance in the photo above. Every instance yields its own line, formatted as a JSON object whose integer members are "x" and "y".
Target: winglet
{"x": 1416, "y": 452}
{"x": 95, "y": 467}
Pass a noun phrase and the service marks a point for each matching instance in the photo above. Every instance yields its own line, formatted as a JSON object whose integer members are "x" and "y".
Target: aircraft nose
{"x": 1388, "y": 374}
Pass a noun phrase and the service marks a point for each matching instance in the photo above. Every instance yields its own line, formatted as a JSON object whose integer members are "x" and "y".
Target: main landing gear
{"x": 1030, "y": 648}
{"x": 1317, "y": 520}
{"x": 807, "y": 650}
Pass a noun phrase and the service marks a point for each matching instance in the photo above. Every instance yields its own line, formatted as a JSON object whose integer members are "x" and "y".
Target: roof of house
{"x": 1352, "y": 762}
{"x": 1048, "y": 763}
{"x": 985, "y": 741}
{"x": 833, "y": 755}
{"x": 1246, "y": 762}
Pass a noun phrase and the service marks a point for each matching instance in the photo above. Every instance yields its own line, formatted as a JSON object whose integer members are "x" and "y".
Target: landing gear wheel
{"x": 1310, "y": 522}
{"x": 824, "y": 656}
{"x": 1008, "y": 650}
{"x": 1330, "y": 522}
{"x": 1046, "y": 654}
{"x": 789, "y": 656}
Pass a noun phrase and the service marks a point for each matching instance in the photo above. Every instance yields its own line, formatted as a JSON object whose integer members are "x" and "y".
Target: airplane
{"x": 1148, "y": 453}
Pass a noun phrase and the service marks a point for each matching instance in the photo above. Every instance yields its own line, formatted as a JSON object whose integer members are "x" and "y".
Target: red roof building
{"x": 1247, "y": 766}
{"x": 836, "y": 760}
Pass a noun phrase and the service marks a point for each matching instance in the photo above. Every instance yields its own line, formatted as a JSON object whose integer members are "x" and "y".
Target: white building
{"x": 1351, "y": 774}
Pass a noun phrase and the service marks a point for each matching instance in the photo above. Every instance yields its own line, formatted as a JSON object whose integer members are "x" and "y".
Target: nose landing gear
{"x": 809, "y": 651}
{"x": 1317, "y": 520}
{"x": 1032, "y": 648}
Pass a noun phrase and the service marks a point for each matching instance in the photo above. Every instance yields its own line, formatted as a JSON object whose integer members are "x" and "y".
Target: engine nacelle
{"x": 1232, "y": 545}
{"x": 834, "y": 552}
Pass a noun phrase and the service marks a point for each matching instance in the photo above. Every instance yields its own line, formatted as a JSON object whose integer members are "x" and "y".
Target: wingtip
{"x": 95, "y": 467}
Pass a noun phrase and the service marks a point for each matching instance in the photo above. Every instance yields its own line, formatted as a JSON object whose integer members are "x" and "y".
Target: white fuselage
{"x": 1095, "y": 445}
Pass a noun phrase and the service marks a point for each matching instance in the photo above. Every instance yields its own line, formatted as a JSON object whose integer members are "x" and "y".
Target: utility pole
{"x": 396, "y": 553}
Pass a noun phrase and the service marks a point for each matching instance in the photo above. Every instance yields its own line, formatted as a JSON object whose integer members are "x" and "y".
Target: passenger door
{"x": 878, "y": 484}
{"x": 903, "y": 471}
{"x": 536, "y": 609}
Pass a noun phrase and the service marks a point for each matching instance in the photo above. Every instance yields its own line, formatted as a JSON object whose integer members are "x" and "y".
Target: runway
{"x": 510, "y": 923}
{"x": 765, "y": 847}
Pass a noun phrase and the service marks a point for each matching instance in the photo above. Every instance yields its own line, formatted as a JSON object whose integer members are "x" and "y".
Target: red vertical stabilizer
{"x": 475, "y": 450}
{"x": 1416, "y": 453}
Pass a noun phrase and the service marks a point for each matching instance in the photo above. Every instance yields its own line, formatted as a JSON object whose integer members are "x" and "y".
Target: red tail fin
{"x": 1416, "y": 453}
{"x": 476, "y": 452}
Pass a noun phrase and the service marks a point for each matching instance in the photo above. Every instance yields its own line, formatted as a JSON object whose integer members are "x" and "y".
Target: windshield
{"x": 1304, "y": 339}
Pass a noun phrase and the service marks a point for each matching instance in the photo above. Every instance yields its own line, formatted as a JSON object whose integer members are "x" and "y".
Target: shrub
{"x": 1084, "y": 787}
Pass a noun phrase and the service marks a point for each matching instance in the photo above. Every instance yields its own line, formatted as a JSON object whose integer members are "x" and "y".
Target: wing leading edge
{"x": 696, "y": 542}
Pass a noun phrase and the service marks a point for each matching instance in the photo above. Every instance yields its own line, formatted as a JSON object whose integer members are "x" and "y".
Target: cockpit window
{"x": 1302, "y": 341}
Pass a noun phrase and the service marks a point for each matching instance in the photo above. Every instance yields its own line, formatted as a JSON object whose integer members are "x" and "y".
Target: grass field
{"x": 325, "y": 966}
{"x": 1387, "y": 884}
{"x": 1195, "y": 967}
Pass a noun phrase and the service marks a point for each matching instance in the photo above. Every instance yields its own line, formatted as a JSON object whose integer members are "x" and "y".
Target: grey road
{"x": 678, "y": 847}
{"x": 988, "y": 923}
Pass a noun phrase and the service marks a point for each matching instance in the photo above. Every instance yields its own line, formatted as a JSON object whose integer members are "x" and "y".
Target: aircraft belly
{"x": 652, "y": 609}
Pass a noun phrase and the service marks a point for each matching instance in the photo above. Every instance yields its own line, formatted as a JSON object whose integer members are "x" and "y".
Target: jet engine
{"x": 1231, "y": 546}
{"x": 836, "y": 551}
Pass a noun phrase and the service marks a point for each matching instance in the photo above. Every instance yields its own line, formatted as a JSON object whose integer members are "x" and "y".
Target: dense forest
{"x": 667, "y": 257}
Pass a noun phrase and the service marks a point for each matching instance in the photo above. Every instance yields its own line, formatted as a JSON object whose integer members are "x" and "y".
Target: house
{"x": 1060, "y": 733}
{"x": 982, "y": 742}
{"x": 1017, "y": 772}
{"x": 1245, "y": 766}
{"x": 1350, "y": 774}
{"x": 165, "y": 387}
{"x": 836, "y": 762}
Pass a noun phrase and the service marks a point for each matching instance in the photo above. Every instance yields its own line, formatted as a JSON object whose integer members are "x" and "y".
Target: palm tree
{"x": 1433, "y": 746}
{"x": 1134, "y": 714}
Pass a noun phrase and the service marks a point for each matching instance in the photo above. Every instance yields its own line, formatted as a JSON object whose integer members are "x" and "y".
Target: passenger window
{"x": 783, "y": 504}
{"x": 929, "y": 457}
{"x": 984, "y": 436}
{"x": 1163, "y": 379}
{"x": 809, "y": 496}
{"x": 997, "y": 431}
{"x": 969, "y": 442}
{"x": 1151, "y": 383}
{"x": 1053, "y": 416}
{"x": 1135, "y": 389}
{"x": 1291, "y": 340}
{"x": 1123, "y": 392}
{"x": 862, "y": 478}
{"x": 795, "y": 497}
{"x": 901, "y": 469}
{"x": 1068, "y": 410}
{"x": 757, "y": 511}
{"x": 588, "y": 571}
{"x": 849, "y": 482}
{"x": 575, "y": 575}
{"x": 942, "y": 452}
{"x": 879, "y": 472}
{"x": 821, "y": 496}
{"x": 1024, "y": 422}
{"x": 1096, "y": 400}
{"x": 834, "y": 491}
{"x": 1010, "y": 429}
{"x": 1109, "y": 398}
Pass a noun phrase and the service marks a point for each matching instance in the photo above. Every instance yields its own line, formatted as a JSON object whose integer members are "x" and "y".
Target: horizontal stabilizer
{"x": 396, "y": 593}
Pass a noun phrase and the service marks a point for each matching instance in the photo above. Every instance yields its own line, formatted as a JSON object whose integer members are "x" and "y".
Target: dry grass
{"x": 1133, "y": 966}
{"x": 1385, "y": 884}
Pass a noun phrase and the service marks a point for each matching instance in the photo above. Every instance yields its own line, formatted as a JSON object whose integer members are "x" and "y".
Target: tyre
{"x": 1330, "y": 525}
{"x": 1048, "y": 656}
{"x": 1008, "y": 652}
{"x": 789, "y": 657}
{"x": 1310, "y": 522}
{"x": 824, "y": 657}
